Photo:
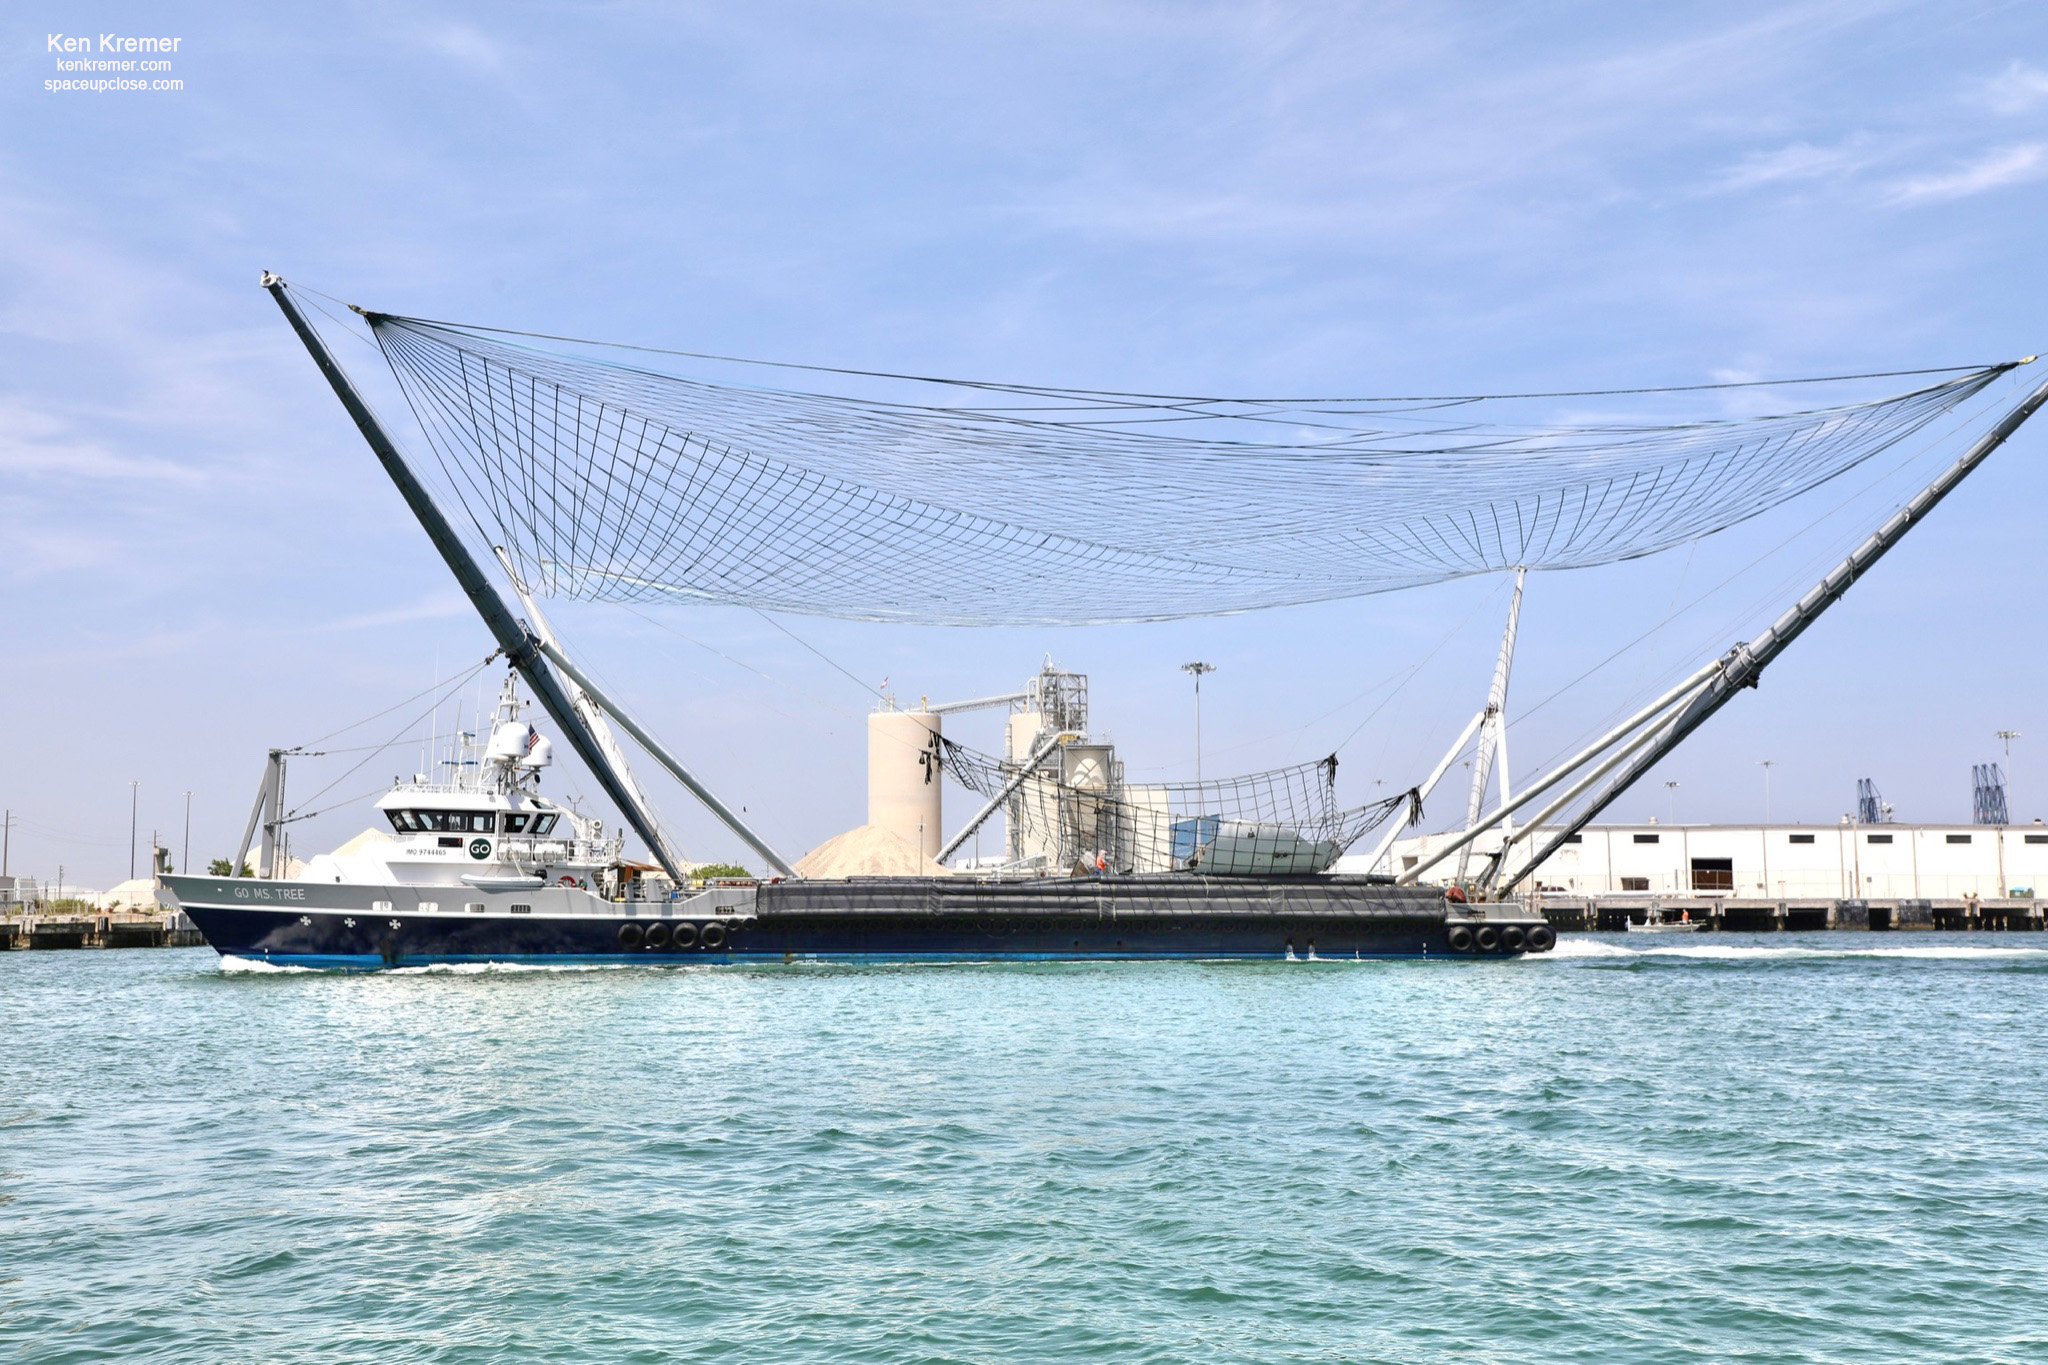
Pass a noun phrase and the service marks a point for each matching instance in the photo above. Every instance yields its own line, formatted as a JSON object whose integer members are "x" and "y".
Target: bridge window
{"x": 447, "y": 821}
{"x": 515, "y": 823}
{"x": 544, "y": 824}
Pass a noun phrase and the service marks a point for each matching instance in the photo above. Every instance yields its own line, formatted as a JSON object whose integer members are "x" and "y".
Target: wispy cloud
{"x": 2016, "y": 89}
{"x": 1994, "y": 170}
{"x": 37, "y": 552}
{"x": 466, "y": 45}
{"x": 36, "y": 443}
{"x": 1801, "y": 161}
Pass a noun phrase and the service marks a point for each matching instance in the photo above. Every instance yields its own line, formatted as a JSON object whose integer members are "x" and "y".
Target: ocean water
{"x": 1810, "y": 1148}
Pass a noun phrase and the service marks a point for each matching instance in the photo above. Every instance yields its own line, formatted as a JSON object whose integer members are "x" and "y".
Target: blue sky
{"x": 199, "y": 560}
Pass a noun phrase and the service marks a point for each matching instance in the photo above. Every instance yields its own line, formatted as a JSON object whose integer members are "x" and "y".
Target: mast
{"x": 1421, "y": 794}
{"x": 1031, "y": 764}
{"x": 1743, "y": 665}
{"x": 1493, "y": 728}
{"x": 667, "y": 760}
{"x": 270, "y": 804}
{"x": 513, "y": 638}
{"x": 592, "y": 714}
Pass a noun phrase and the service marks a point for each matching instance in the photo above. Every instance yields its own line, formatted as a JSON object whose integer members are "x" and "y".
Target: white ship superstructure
{"x": 485, "y": 827}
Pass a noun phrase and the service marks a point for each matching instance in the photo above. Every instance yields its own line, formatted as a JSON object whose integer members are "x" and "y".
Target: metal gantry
{"x": 527, "y": 650}
{"x": 1639, "y": 743}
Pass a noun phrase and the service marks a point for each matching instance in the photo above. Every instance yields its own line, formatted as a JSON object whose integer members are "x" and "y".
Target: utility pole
{"x": 6, "y": 841}
{"x": 1672, "y": 787}
{"x": 1198, "y": 668}
{"x": 185, "y": 854}
{"x": 2008, "y": 736}
{"x": 133, "y": 788}
{"x": 1767, "y": 764}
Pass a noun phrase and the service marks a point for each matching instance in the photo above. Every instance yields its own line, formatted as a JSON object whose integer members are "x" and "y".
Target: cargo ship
{"x": 480, "y": 867}
{"x": 610, "y": 481}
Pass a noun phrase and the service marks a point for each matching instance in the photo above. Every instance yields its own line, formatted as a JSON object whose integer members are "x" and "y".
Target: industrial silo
{"x": 903, "y": 777}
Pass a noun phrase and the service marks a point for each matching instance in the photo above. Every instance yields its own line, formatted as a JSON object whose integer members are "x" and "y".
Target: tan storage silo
{"x": 1020, "y": 734}
{"x": 904, "y": 777}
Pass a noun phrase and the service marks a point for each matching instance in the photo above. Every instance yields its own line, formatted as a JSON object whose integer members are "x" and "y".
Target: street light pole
{"x": 1672, "y": 787}
{"x": 1198, "y": 668}
{"x": 133, "y": 788}
{"x": 1767, "y": 764}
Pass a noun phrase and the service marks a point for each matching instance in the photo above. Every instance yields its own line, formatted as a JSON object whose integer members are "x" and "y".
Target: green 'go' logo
{"x": 479, "y": 849}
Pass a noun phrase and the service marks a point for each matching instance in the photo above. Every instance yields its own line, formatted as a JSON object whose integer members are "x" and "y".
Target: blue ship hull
{"x": 872, "y": 921}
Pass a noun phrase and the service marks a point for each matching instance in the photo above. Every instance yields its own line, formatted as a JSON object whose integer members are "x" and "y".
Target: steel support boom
{"x": 513, "y": 638}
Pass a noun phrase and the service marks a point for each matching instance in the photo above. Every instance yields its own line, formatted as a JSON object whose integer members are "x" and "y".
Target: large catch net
{"x": 943, "y": 501}
{"x": 1072, "y": 812}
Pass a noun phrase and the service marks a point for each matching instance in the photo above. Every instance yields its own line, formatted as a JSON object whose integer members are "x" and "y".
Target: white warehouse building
{"x": 1835, "y": 862}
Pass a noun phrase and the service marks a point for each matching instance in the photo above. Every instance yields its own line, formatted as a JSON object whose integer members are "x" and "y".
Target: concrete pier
{"x": 101, "y": 930}
{"x": 1754, "y": 915}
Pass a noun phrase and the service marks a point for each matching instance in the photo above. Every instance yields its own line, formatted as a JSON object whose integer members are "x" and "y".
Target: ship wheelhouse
{"x": 420, "y": 820}
{"x": 484, "y": 825}
{"x": 489, "y": 825}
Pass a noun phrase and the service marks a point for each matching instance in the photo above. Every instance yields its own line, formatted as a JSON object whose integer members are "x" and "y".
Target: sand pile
{"x": 869, "y": 851}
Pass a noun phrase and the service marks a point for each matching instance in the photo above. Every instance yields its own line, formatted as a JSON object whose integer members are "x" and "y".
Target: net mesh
{"x": 977, "y": 504}
{"x": 1069, "y": 816}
